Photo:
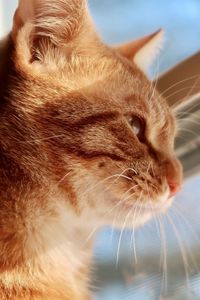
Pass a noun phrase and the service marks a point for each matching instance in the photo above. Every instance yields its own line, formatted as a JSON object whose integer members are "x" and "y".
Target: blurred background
{"x": 162, "y": 260}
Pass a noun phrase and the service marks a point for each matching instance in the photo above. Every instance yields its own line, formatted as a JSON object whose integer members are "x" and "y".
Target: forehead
{"x": 122, "y": 83}
{"x": 109, "y": 77}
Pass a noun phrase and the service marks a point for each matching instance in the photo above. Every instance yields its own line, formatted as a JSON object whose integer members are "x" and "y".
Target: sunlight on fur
{"x": 86, "y": 141}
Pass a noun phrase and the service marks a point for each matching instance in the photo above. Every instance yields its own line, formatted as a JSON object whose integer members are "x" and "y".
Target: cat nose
{"x": 174, "y": 176}
{"x": 174, "y": 188}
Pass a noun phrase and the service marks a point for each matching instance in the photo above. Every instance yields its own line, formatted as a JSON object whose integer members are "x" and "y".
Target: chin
{"x": 133, "y": 215}
{"x": 131, "y": 222}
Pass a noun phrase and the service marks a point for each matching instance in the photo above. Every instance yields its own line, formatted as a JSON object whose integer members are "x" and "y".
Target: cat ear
{"x": 143, "y": 51}
{"x": 42, "y": 25}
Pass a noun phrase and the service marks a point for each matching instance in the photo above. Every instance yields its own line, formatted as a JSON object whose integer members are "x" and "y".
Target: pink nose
{"x": 173, "y": 188}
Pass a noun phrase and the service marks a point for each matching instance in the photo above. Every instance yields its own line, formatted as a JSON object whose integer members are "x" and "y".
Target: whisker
{"x": 120, "y": 237}
{"x": 186, "y": 245}
{"x": 185, "y": 88}
{"x": 164, "y": 257}
{"x": 121, "y": 201}
{"x": 179, "y": 113}
{"x": 106, "y": 179}
{"x": 179, "y": 82}
{"x": 133, "y": 242}
{"x": 91, "y": 234}
{"x": 188, "y": 120}
{"x": 63, "y": 178}
{"x": 177, "y": 211}
{"x": 182, "y": 250}
{"x": 189, "y": 131}
{"x": 182, "y": 209}
{"x": 193, "y": 86}
{"x": 155, "y": 81}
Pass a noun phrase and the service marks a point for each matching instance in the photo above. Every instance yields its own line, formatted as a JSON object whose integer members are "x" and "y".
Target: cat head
{"x": 104, "y": 134}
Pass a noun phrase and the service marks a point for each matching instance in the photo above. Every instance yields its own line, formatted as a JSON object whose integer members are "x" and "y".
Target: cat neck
{"x": 40, "y": 230}
{"x": 50, "y": 252}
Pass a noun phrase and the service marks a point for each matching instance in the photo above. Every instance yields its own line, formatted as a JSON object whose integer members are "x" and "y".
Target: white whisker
{"x": 182, "y": 250}
{"x": 121, "y": 234}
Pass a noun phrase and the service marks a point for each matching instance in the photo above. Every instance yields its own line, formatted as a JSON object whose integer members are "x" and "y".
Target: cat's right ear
{"x": 41, "y": 27}
{"x": 143, "y": 51}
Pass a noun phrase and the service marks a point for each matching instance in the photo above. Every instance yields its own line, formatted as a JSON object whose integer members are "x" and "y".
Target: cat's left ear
{"x": 41, "y": 28}
{"x": 144, "y": 50}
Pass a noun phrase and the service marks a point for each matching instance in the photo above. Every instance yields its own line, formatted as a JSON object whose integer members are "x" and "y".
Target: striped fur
{"x": 64, "y": 140}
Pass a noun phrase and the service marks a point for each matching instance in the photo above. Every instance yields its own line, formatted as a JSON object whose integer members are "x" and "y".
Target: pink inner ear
{"x": 144, "y": 50}
{"x": 130, "y": 49}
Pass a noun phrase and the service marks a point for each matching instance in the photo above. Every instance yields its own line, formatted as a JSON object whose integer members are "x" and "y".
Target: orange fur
{"x": 68, "y": 154}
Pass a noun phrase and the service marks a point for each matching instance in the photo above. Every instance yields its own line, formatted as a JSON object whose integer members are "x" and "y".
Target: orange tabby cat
{"x": 84, "y": 140}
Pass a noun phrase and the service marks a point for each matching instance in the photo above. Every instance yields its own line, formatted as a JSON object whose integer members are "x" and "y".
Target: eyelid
{"x": 141, "y": 118}
{"x": 142, "y": 135}
{"x": 134, "y": 114}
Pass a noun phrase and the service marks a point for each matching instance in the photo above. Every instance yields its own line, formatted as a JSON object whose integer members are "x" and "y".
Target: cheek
{"x": 148, "y": 178}
{"x": 137, "y": 177}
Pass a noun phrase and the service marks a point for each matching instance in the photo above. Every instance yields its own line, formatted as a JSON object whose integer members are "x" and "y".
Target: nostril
{"x": 174, "y": 188}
